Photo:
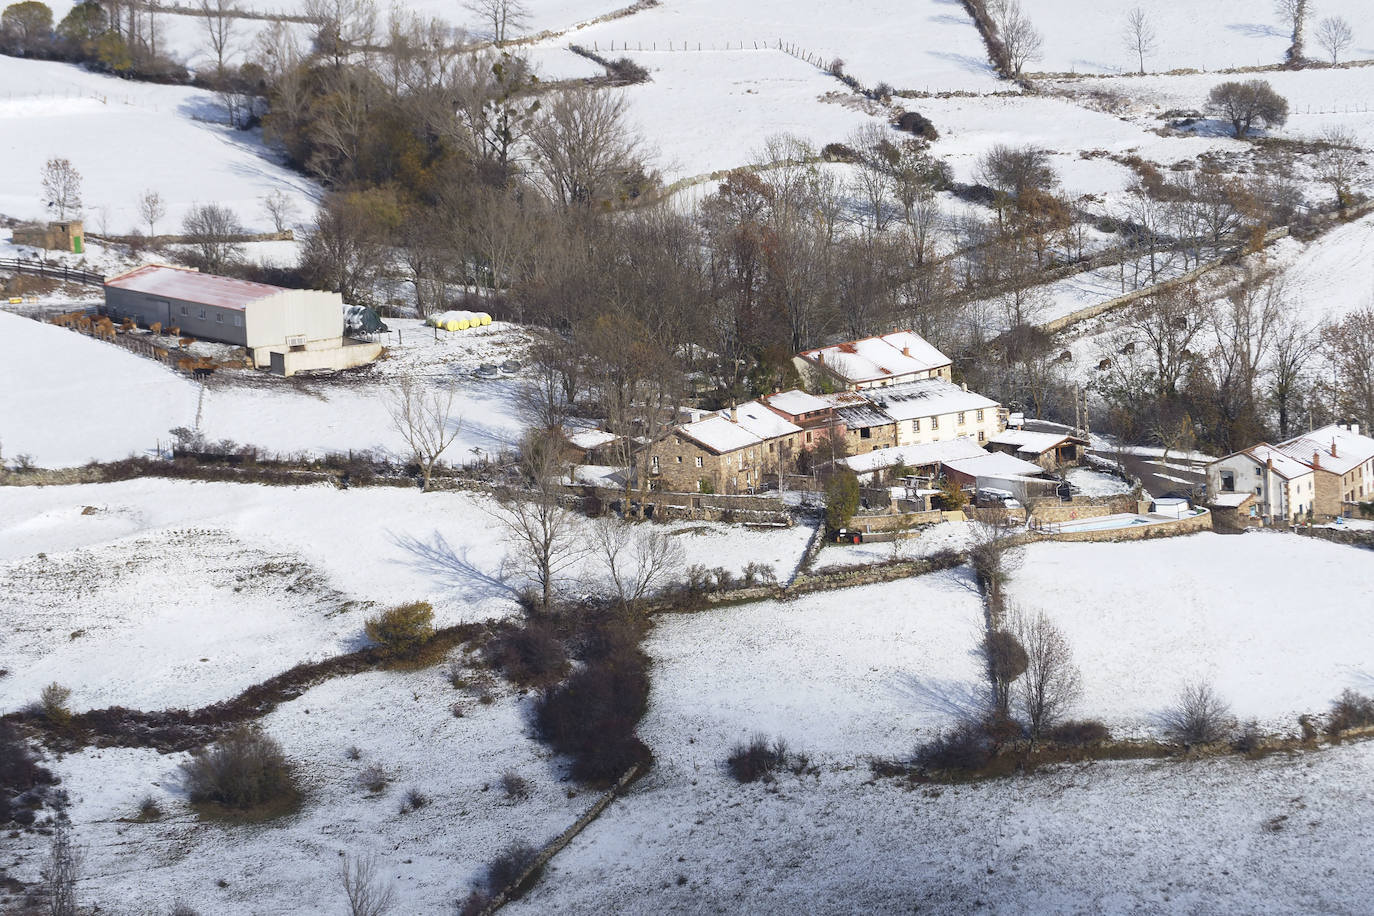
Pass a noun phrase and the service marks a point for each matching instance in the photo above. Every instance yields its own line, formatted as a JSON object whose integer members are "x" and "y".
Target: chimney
{"x": 964, "y": 385}
{"x": 1355, "y": 428}
{"x": 906, "y": 351}
{"x": 1316, "y": 459}
{"x": 820, "y": 356}
{"x": 1333, "y": 447}
{"x": 1269, "y": 464}
{"x": 734, "y": 414}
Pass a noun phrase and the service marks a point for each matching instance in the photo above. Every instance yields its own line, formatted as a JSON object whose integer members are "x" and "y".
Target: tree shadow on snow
{"x": 1256, "y": 30}
{"x": 451, "y": 567}
{"x": 962, "y": 701}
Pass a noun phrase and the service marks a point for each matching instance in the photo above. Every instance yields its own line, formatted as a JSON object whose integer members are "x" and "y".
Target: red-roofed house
{"x": 289, "y": 330}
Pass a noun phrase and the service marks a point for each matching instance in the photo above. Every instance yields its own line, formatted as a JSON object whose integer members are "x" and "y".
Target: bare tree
{"x": 61, "y": 871}
{"x": 279, "y": 208}
{"x": 1139, "y": 35}
{"x": 221, "y": 16}
{"x": 151, "y": 209}
{"x": 1349, "y": 347}
{"x": 1340, "y": 164}
{"x": 1022, "y": 41}
{"x": 1294, "y": 348}
{"x": 426, "y": 421}
{"x": 1199, "y": 716}
{"x": 215, "y": 234}
{"x": 62, "y": 187}
{"x": 1293, "y": 13}
{"x": 584, "y": 150}
{"x": 500, "y": 17}
{"x": 544, "y": 538}
{"x": 640, "y": 559}
{"x": 1335, "y": 36}
{"x": 1051, "y": 683}
{"x": 368, "y": 894}
{"x": 343, "y": 28}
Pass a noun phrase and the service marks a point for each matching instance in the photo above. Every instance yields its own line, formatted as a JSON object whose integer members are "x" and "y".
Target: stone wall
{"x": 1054, "y": 510}
{"x": 1162, "y": 529}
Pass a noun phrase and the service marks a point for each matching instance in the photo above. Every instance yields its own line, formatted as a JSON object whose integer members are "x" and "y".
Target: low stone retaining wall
{"x": 1161, "y": 529}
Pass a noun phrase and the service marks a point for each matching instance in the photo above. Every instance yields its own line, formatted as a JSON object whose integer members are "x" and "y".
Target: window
{"x": 1228, "y": 482}
{"x": 808, "y": 437}
{"x": 202, "y": 314}
{"x": 698, "y": 461}
{"x": 238, "y": 321}
{"x": 865, "y": 433}
{"x": 961, "y": 418}
{"x": 679, "y": 459}
{"x": 183, "y": 310}
{"x": 915, "y": 426}
{"x": 979, "y": 416}
{"x": 219, "y": 317}
{"x": 653, "y": 463}
{"x": 934, "y": 422}
{"x": 980, "y": 435}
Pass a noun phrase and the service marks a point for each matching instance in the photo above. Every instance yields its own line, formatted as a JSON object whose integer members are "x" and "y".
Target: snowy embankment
{"x": 1278, "y": 624}
{"x": 126, "y": 137}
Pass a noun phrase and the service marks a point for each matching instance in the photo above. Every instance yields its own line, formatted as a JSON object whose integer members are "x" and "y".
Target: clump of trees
{"x": 1246, "y": 103}
{"x": 246, "y": 769}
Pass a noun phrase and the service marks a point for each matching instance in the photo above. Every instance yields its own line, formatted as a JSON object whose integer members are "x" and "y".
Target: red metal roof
{"x": 193, "y": 286}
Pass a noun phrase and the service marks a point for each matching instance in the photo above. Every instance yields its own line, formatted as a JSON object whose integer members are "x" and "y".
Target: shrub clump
{"x": 964, "y": 748}
{"x": 1350, "y": 710}
{"x": 915, "y": 123}
{"x": 403, "y": 630}
{"x": 530, "y": 655}
{"x": 245, "y": 769}
{"x": 757, "y": 759}
{"x": 592, "y": 716}
{"x": 1198, "y": 717}
{"x": 510, "y": 863}
{"x": 23, "y": 780}
{"x": 1079, "y": 732}
{"x": 52, "y": 702}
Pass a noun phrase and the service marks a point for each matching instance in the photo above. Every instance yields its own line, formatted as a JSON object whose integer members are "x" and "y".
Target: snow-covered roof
{"x": 719, "y": 434}
{"x": 995, "y": 464}
{"x": 914, "y": 456}
{"x": 1351, "y": 448}
{"x": 796, "y": 402}
{"x": 591, "y": 438}
{"x": 761, "y": 421}
{"x": 599, "y": 475}
{"x": 193, "y": 286}
{"x": 1232, "y": 500}
{"x": 876, "y": 358}
{"x": 1284, "y": 465}
{"x": 927, "y": 397}
{"x": 1030, "y": 443}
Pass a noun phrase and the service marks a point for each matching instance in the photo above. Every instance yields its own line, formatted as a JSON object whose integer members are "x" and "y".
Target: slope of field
{"x": 1146, "y": 618}
{"x": 125, "y": 137}
{"x": 1087, "y": 35}
{"x": 918, "y": 45}
{"x": 1207, "y": 836}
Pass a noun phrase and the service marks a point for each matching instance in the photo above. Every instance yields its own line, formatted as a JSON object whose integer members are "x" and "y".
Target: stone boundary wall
{"x": 1347, "y": 536}
{"x": 560, "y": 842}
{"x": 1164, "y": 529}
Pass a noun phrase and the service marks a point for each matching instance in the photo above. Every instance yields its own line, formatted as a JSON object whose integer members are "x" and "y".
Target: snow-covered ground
{"x": 154, "y": 593}
{"x": 1276, "y": 623}
{"x": 840, "y": 676}
{"x": 1097, "y": 483}
{"x": 1088, "y": 35}
{"x": 402, "y": 722}
{"x": 1207, "y": 836}
{"x": 924, "y": 542}
{"x": 88, "y": 399}
{"x": 919, "y": 45}
{"x": 125, "y": 137}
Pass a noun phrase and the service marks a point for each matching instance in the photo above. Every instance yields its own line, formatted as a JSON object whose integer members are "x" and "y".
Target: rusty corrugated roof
{"x": 193, "y": 286}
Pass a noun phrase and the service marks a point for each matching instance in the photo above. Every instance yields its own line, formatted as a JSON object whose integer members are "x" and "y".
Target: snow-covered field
{"x": 125, "y": 137}
{"x": 918, "y": 45}
{"x": 87, "y": 399}
{"x": 1097, "y": 483}
{"x": 922, "y": 543}
{"x": 1087, "y": 35}
{"x": 840, "y": 676}
{"x": 1277, "y": 624}
{"x": 1279, "y": 835}
{"x": 155, "y": 593}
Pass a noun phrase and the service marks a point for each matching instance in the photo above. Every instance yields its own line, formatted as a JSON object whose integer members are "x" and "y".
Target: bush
{"x": 530, "y": 655}
{"x": 756, "y": 573}
{"x": 1350, "y": 710}
{"x": 592, "y": 716}
{"x": 964, "y": 748}
{"x": 1079, "y": 732}
{"x": 914, "y": 123}
{"x": 402, "y": 631}
{"x": 757, "y": 760}
{"x": 149, "y": 809}
{"x": 838, "y": 152}
{"x": 514, "y": 785}
{"x": 1198, "y": 717}
{"x": 20, "y": 775}
{"x": 52, "y": 701}
{"x": 509, "y": 864}
{"x": 374, "y": 779}
{"x": 244, "y": 769}
{"x": 1249, "y": 740}
{"x": 414, "y": 800}
{"x": 841, "y": 499}
{"x": 626, "y": 70}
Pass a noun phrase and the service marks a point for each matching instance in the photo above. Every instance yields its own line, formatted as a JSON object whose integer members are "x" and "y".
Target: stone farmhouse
{"x": 874, "y": 362}
{"x": 1050, "y": 451}
{"x": 1319, "y": 475}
